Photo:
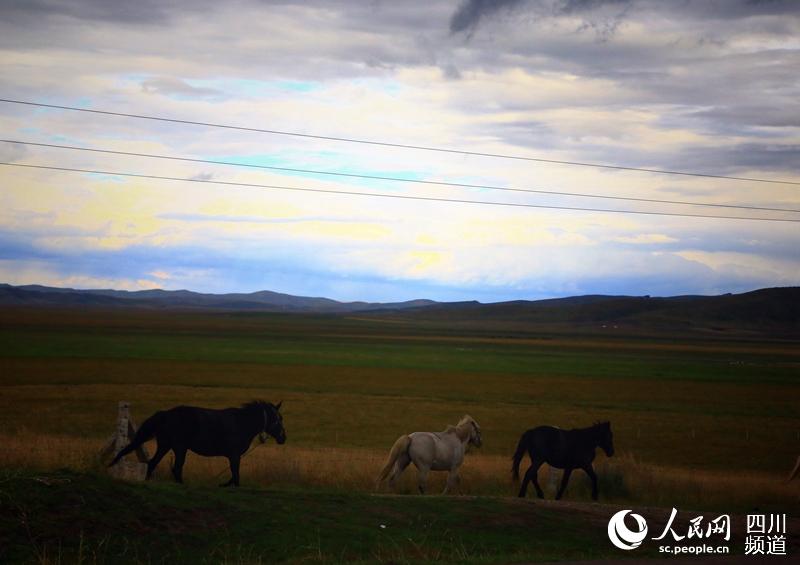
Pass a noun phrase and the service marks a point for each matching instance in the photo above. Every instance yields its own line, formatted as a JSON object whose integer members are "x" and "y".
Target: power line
{"x": 395, "y": 179}
{"x": 400, "y": 145}
{"x": 395, "y": 196}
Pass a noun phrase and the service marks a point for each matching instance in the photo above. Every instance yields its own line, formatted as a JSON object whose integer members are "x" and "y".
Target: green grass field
{"x": 358, "y": 384}
{"x": 698, "y": 422}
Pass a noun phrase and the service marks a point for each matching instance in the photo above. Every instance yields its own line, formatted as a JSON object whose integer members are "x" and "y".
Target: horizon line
{"x": 95, "y": 289}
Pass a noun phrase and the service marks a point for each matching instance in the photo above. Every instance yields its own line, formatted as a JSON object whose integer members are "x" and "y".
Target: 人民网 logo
{"x": 622, "y": 536}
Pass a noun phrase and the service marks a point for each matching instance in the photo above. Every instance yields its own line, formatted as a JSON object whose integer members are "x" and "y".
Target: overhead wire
{"x": 399, "y": 145}
{"x": 394, "y": 196}
{"x": 394, "y": 179}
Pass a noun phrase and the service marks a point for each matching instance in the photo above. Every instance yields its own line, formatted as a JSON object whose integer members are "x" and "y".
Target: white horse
{"x": 432, "y": 451}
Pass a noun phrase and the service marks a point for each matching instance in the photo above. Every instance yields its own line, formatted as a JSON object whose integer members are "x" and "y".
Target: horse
{"x": 227, "y": 432}
{"x": 562, "y": 449}
{"x": 432, "y": 451}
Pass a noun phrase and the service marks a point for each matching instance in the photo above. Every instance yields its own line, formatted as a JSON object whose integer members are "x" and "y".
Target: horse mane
{"x": 464, "y": 419}
{"x": 598, "y": 429}
{"x": 254, "y": 405}
{"x": 453, "y": 427}
{"x": 463, "y": 424}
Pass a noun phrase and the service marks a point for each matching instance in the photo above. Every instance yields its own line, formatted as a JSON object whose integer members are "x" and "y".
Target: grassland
{"x": 71, "y": 518}
{"x": 706, "y": 423}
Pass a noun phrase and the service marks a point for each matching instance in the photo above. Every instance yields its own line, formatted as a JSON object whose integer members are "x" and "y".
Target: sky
{"x": 700, "y": 86}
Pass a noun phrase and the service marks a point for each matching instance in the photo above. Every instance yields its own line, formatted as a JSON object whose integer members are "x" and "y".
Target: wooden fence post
{"x": 132, "y": 467}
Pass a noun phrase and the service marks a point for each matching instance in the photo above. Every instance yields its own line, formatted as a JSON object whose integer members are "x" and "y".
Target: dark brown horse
{"x": 227, "y": 433}
{"x": 562, "y": 449}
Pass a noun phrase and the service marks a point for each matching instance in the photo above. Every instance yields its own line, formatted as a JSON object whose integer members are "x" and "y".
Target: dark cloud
{"x": 730, "y": 9}
{"x": 469, "y": 13}
{"x": 740, "y": 157}
{"x": 734, "y": 9}
{"x": 603, "y": 27}
{"x": 604, "y": 16}
{"x": 743, "y": 120}
{"x": 450, "y": 71}
{"x": 780, "y": 159}
{"x": 571, "y": 6}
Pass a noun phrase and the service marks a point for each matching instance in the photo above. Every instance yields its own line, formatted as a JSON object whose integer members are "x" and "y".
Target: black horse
{"x": 563, "y": 449}
{"x": 208, "y": 432}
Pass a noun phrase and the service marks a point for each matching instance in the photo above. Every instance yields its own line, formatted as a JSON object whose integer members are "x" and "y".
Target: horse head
{"x": 474, "y": 430}
{"x": 605, "y": 438}
{"x": 273, "y": 422}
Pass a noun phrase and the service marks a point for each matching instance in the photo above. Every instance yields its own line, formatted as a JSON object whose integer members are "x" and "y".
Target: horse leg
{"x": 422, "y": 477}
{"x": 592, "y": 475}
{"x": 453, "y": 480}
{"x": 531, "y": 475}
{"x": 400, "y": 465}
{"x": 564, "y": 481}
{"x": 535, "y": 479}
{"x": 177, "y": 469}
{"x": 234, "y": 461}
{"x": 161, "y": 451}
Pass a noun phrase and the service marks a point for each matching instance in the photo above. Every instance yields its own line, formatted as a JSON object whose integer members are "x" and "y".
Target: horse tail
{"x": 795, "y": 471}
{"x": 400, "y": 446}
{"x": 522, "y": 447}
{"x": 145, "y": 432}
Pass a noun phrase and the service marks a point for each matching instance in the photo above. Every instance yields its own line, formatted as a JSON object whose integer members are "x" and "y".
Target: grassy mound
{"x": 86, "y": 518}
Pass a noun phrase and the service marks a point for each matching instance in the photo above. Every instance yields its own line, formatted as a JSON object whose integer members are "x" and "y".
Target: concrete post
{"x": 132, "y": 467}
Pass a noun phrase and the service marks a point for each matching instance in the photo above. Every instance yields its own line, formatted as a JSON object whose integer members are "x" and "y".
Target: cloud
{"x": 710, "y": 87}
{"x": 142, "y": 12}
{"x": 469, "y": 13}
{"x": 258, "y": 219}
{"x": 451, "y": 72}
{"x": 490, "y": 260}
{"x": 781, "y": 158}
{"x": 202, "y": 177}
{"x": 29, "y": 272}
{"x": 10, "y": 152}
{"x": 645, "y": 238}
{"x": 171, "y": 86}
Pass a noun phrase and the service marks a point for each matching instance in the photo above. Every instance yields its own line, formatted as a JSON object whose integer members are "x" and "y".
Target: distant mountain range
{"x": 762, "y": 310}
{"x": 264, "y": 300}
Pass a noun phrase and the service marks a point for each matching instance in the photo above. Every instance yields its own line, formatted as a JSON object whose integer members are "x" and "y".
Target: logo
{"x": 623, "y": 537}
{"x": 702, "y": 537}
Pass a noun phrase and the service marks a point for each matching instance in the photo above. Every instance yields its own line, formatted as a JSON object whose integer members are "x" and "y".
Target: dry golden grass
{"x": 688, "y": 409}
{"x": 658, "y": 421}
{"x": 622, "y": 478}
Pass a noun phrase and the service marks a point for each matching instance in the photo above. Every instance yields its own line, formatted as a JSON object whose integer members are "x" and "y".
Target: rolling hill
{"x": 771, "y": 310}
{"x": 265, "y": 300}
